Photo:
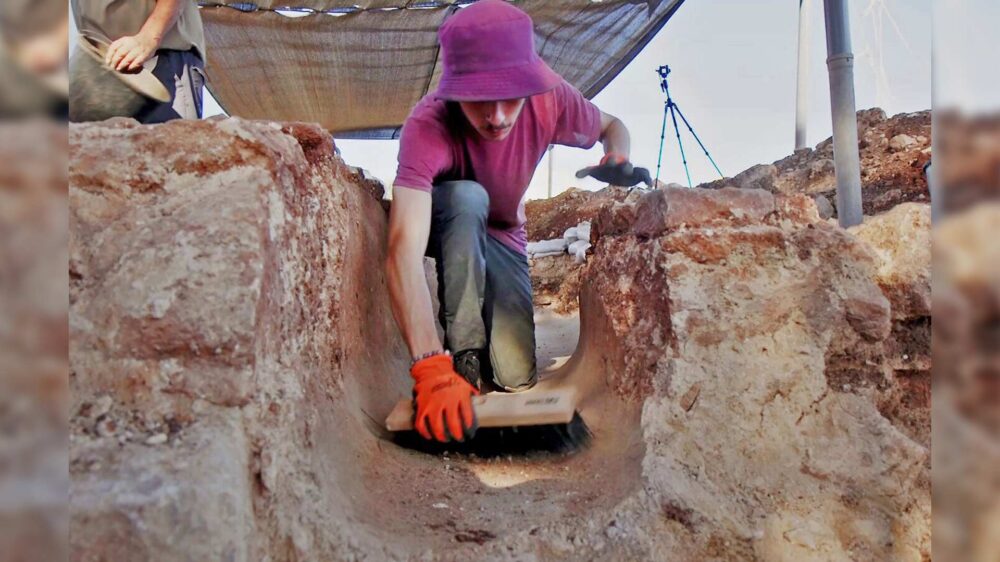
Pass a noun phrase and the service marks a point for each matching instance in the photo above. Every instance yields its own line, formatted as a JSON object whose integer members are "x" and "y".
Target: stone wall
{"x": 224, "y": 277}
{"x": 755, "y": 335}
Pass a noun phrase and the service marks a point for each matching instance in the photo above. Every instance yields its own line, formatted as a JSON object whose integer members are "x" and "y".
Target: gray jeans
{"x": 183, "y": 73}
{"x": 484, "y": 287}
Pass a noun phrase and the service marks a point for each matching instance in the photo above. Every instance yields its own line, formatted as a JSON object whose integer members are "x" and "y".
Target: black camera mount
{"x": 672, "y": 108}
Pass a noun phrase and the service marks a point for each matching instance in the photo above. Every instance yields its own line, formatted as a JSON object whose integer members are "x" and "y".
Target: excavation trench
{"x": 233, "y": 358}
{"x": 416, "y": 500}
{"x": 230, "y": 294}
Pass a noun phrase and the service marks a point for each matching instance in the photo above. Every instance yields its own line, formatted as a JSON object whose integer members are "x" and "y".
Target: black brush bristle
{"x": 490, "y": 442}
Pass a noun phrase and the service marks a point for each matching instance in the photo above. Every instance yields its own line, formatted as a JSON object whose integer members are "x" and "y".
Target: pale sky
{"x": 733, "y": 76}
{"x": 966, "y": 46}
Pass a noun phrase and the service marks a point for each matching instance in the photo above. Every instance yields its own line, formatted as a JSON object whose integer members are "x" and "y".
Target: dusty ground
{"x": 464, "y": 498}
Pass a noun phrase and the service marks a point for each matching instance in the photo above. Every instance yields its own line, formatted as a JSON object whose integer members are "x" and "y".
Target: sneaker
{"x": 467, "y": 365}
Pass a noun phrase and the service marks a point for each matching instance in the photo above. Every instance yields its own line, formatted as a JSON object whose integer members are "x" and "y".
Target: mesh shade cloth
{"x": 328, "y": 5}
{"x": 359, "y": 73}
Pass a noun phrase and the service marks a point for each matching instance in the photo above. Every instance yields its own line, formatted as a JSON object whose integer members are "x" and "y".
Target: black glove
{"x": 615, "y": 169}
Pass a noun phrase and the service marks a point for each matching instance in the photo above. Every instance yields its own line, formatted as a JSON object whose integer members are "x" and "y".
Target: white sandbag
{"x": 583, "y": 231}
{"x": 545, "y": 246}
{"x": 547, "y": 255}
{"x": 580, "y": 255}
{"x": 570, "y": 235}
{"x": 575, "y": 246}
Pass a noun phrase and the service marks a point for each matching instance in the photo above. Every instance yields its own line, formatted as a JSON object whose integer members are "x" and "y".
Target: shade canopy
{"x": 358, "y": 67}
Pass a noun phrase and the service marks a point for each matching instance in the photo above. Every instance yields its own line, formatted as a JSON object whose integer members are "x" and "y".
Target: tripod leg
{"x": 695, "y": 135}
{"x": 680, "y": 144}
{"x": 663, "y": 131}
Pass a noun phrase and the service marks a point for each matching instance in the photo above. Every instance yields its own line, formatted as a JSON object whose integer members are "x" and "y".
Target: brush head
{"x": 489, "y": 442}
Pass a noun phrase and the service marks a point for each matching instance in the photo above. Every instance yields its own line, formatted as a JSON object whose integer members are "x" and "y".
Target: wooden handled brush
{"x": 534, "y": 407}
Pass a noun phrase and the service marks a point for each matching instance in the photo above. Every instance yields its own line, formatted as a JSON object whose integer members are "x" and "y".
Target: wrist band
{"x": 429, "y": 354}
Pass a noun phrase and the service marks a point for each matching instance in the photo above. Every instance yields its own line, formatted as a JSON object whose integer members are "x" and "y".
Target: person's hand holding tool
{"x": 615, "y": 169}
{"x": 128, "y": 54}
{"x": 443, "y": 400}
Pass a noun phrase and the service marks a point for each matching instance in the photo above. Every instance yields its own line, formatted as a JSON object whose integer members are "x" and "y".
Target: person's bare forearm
{"x": 616, "y": 139}
{"x": 163, "y": 17}
{"x": 443, "y": 399}
{"x": 409, "y": 228}
{"x": 411, "y": 303}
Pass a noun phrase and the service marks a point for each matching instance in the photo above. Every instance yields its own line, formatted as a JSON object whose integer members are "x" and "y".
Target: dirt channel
{"x": 418, "y": 500}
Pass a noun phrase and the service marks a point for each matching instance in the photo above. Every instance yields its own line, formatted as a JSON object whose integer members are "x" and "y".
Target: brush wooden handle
{"x": 535, "y": 407}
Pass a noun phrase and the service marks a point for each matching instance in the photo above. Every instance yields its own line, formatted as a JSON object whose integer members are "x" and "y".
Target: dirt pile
{"x": 233, "y": 354}
{"x": 549, "y": 218}
{"x": 893, "y": 154}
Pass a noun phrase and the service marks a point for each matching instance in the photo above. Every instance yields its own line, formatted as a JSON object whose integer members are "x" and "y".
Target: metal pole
{"x": 801, "y": 88}
{"x": 550, "y": 170}
{"x": 846, "y": 159}
{"x": 677, "y": 108}
{"x": 663, "y": 133}
{"x": 680, "y": 144}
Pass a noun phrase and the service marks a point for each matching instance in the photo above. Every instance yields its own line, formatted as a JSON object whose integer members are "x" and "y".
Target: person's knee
{"x": 517, "y": 382}
{"x": 462, "y": 199}
{"x": 514, "y": 373}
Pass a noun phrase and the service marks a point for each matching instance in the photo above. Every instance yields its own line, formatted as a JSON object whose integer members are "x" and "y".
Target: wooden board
{"x": 498, "y": 409}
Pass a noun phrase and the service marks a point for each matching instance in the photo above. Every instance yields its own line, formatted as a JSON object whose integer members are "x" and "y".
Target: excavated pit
{"x": 312, "y": 378}
{"x": 233, "y": 357}
{"x": 412, "y": 500}
{"x": 419, "y": 500}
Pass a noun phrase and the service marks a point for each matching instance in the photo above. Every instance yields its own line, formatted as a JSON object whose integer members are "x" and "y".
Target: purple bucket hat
{"x": 489, "y": 54}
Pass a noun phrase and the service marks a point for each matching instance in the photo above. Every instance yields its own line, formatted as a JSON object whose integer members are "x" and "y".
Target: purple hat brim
{"x": 499, "y": 84}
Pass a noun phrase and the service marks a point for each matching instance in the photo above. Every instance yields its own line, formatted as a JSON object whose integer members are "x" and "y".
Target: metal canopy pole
{"x": 802, "y": 87}
{"x": 846, "y": 158}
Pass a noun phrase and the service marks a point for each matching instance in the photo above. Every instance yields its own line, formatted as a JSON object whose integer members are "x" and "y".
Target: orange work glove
{"x": 444, "y": 400}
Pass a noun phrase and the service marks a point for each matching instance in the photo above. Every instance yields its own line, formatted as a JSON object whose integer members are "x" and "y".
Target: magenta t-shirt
{"x": 438, "y": 144}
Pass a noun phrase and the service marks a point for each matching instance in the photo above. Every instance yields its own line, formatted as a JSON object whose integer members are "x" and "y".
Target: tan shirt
{"x": 113, "y": 19}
